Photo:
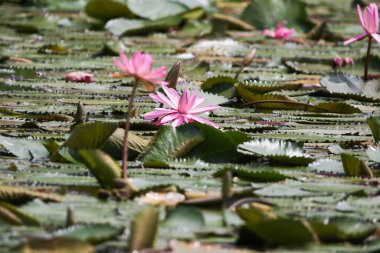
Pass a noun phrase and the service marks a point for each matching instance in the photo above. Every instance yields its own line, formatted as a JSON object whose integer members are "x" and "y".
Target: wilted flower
{"x": 280, "y": 31}
{"x": 183, "y": 109}
{"x": 79, "y": 76}
{"x": 370, "y": 23}
{"x": 139, "y": 67}
{"x": 338, "y": 62}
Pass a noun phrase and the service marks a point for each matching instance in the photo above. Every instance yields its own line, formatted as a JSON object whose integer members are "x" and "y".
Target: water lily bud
{"x": 173, "y": 75}
{"x": 248, "y": 58}
{"x": 81, "y": 114}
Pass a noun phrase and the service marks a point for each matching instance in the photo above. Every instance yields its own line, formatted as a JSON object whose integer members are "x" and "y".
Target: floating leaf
{"x": 277, "y": 150}
{"x": 350, "y": 86}
{"x": 24, "y": 148}
{"x": 374, "y": 153}
{"x": 220, "y": 85}
{"x": 184, "y": 217}
{"x": 328, "y": 166}
{"x": 18, "y": 195}
{"x": 268, "y": 13}
{"x": 56, "y": 245}
{"x": 54, "y": 49}
{"x": 92, "y": 233}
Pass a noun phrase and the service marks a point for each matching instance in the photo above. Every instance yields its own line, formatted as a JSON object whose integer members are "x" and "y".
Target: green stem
{"x": 126, "y": 129}
{"x": 367, "y": 58}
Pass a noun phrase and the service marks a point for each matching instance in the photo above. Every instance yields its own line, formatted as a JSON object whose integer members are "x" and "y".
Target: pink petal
{"x": 356, "y": 38}
{"x": 144, "y": 64}
{"x": 135, "y": 61}
{"x": 155, "y": 74}
{"x": 376, "y": 37}
{"x": 170, "y": 117}
{"x": 182, "y": 104}
{"x": 367, "y": 15}
{"x": 124, "y": 59}
{"x": 360, "y": 14}
{"x": 118, "y": 64}
{"x": 163, "y": 99}
{"x": 201, "y": 120}
{"x": 158, "y": 112}
{"x": 172, "y": 94}
{"x": 204, "y": 109}
{"x": 178, "y": 121}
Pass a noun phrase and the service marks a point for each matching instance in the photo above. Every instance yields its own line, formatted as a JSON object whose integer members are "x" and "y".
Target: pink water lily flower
{"x": 183, "y": 109}
{"x": 140, "y": 67}
{"x": 280, "y": 32}
{"x": 79, "y": 76}
{"x": 370, "y": 23}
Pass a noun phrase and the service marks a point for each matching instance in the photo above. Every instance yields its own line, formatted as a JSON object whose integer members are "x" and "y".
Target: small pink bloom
{"x": 139, "y": 67}
{"x": 183, "y": 109}
{"x": 349, "y": 61}
{"x": 79, "y": 76}
{"x": 280, "y": 32}
{"x": 370, "y": 23}
{"x": 337, "y": 62}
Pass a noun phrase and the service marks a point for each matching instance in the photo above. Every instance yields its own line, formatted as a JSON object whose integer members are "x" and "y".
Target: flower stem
{"x": 367, "y": 58}
{"x": 126, "y": 129}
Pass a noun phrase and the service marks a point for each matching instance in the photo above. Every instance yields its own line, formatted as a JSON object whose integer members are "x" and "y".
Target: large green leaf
{"x": 192, "y": 140}
{"x": 123, "y": 27}
{"x": 105, "y": 10}
{"x": 374, "y": 125}
{"x": 101, "y": 165}
{"x": 144, "y": 229}
{"x": 157, "y": 8}
{"x": 268, "y": 13}
{"x": 101, "y": 135}
{"x": 354, "y": 167}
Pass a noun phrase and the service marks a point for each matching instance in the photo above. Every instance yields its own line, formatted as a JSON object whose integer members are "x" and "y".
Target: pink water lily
{"x": 140, "y": 67}
{"x": 79, "y": 76}
{"x": 370, "y": 23}
{"x": 280, "y": 31}
{"x": 183, "y": 109}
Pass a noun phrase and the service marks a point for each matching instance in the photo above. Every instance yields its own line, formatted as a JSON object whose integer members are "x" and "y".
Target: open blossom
{"x": 79, "y": 76}
{"x": 370, "y": 23}
{"x": 280, "y": 31}
{"x": 183, "y": 109}
{"x": 140, "y": 67}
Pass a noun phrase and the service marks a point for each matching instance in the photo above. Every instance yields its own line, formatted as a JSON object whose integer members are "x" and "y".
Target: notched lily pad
{"x": 276, "y": 150}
